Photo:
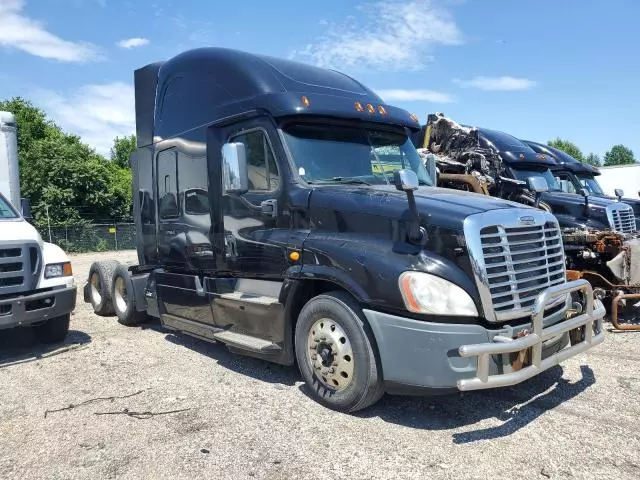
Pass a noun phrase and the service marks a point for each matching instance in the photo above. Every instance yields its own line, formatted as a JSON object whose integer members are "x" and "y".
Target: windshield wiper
{"x": 344, "y": 180}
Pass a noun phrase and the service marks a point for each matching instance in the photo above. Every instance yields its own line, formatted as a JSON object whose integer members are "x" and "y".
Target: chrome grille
{"x": 19, "y": 267}
{"x": 515, "y": 254}
{"x": 521, "y": 262}
{"x": 621, "y": 218}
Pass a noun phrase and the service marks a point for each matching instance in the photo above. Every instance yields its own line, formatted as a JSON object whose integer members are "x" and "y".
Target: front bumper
{"x": 425, "y": 356}
{"x": 24, "y": 310}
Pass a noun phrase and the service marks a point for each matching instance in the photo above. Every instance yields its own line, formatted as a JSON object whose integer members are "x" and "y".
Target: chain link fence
{"x": 92, "y": 237}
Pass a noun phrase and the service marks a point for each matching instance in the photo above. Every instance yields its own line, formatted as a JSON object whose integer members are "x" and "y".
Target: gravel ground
{"x": 244, "y": 418}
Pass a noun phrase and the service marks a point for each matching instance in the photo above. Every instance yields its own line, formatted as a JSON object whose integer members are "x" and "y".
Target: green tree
{"x": 567, "y": 147}
{"x": 593, "y": 159}
{"x": 619, "y": 155}
{"x": 122, "y": 149}
{"x": 61, "y": 174}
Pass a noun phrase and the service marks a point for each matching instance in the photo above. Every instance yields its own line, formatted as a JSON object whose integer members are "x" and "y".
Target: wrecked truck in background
{"x": 600, "y": 238}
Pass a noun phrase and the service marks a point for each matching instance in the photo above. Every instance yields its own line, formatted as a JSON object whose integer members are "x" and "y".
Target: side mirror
{"x": 585, "y": 193}
{"x": 25, "y": 207}
{"x": 405, "y": 180}
{"x": 619, "y": 193}
{"x": 235, "y": 179}
{"x": 537, "y": 184}
{"x": 432, "y": 169}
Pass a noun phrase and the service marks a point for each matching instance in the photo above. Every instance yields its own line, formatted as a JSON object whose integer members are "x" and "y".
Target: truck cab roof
{"x": 512, "y": 150}
{"x": 562, "y": 159}
{"x": 209, "y": 85}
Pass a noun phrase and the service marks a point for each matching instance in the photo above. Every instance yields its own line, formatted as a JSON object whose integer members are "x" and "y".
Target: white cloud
{"x": 21, "y": 32}
{"x": 401, "y": 95}
{"x": 388, "y": 35}
{"x": 96, "y": 113}
{"x": 133, "y": 42}
{"x": 504, "y": 83}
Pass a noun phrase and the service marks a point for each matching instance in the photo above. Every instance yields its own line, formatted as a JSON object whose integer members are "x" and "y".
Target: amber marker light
{"x": 67, "y": 271}
{"x": 305, "y": 102}
{"x": 294, "y": 256}
{"x": 371, "y": 109}
{"x": 382, "y": 110}
{"x": 359, "y": 107}
{"x": 414, "y": 118}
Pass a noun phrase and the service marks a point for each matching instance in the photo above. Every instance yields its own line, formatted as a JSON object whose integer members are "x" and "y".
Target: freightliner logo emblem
{"x": 528, "y": 220}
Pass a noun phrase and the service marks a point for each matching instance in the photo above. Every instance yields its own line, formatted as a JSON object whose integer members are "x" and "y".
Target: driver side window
{"x": 262, "y": 168}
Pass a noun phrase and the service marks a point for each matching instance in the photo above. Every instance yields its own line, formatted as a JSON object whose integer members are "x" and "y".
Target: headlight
{"x": 426, "y": 293}
{"x": 54, "y": 270}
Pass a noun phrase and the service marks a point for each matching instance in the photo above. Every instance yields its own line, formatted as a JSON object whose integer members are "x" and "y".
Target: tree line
{"x": 67, "y": 182}
{"x": 618, "y": 155}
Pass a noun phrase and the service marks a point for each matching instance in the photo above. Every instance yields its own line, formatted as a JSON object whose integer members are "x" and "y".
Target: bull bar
{"x": 591, "y": 319}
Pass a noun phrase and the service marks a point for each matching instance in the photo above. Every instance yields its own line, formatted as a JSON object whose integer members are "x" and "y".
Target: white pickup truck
{"x": 37, "y": 288}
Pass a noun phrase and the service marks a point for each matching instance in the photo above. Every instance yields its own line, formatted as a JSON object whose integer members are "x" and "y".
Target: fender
{"x": 369, "y": 267}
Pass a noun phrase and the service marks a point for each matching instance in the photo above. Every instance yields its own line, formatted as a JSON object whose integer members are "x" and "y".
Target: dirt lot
{"x": 243, "y": 418}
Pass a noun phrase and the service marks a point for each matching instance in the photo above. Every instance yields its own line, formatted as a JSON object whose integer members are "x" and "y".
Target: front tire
{"x": 123, "y": 298}
{"x": 336, "y": 353}
{"x": 53, "y": 330}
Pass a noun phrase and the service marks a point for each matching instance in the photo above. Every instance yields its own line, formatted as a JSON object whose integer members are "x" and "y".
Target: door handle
{"x": 269, "y": 207}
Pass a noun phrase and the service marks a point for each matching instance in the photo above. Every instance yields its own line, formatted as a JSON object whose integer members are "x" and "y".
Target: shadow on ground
{"x": 516, "y": 407}
{"x": 250, "y": 367}
{"x": 19, "y": 345}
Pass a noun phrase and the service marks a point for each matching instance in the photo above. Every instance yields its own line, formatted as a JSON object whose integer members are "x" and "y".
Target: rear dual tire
{"x": 100, "y": 286}
{"x": 123, "y": 298}
{"x": 336, "y": 353}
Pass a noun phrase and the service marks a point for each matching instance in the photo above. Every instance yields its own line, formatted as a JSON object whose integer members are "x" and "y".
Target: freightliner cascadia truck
{"x": 37, "y": 288}
{"x": 282, "y": 210}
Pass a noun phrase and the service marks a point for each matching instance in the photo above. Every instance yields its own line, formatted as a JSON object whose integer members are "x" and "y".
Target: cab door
{"x": 168, "y": 208}
{"x": 255, "y": 227}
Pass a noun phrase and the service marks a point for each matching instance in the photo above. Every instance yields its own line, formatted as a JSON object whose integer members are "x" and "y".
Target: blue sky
{"x": 536, "y": 69}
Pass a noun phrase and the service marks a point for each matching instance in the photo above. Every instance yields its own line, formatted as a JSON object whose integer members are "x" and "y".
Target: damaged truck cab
{"x": 282, "y": 210}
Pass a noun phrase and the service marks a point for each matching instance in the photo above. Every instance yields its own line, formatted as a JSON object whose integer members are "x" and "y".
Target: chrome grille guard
{"x": 590, "y": 319}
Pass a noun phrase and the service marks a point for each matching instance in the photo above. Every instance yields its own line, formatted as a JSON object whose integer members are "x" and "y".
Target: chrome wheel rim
{"x": 330, "y": 354}
{"x": 120, "y": 295}
{"x": 96, "y": 298}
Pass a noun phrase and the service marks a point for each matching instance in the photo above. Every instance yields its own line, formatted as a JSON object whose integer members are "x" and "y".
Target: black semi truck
{"x": 579, "y": 176}
{"x": 282, "y": 210}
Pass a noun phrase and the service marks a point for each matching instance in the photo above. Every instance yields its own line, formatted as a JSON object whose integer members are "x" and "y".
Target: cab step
{"x": 249, "y": 298}
{"x": 209, "y": 332}
{"x": 246, "y": 342}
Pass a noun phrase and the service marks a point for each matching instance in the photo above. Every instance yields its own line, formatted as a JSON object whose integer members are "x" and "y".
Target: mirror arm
{"x": 416, "y": 234}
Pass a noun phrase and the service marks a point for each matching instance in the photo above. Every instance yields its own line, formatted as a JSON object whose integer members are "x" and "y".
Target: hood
{"x": 441, "y": 206}
{"x": 17, "y": 230}
{"x": 570, "y": 212}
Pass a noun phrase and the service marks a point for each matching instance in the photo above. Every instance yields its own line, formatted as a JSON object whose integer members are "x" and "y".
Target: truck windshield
{"x": 523, "y": 174}
{"x": 6, "y": 210}
{"x": 345, "y": 154}
{"x": 591, "y": 184}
